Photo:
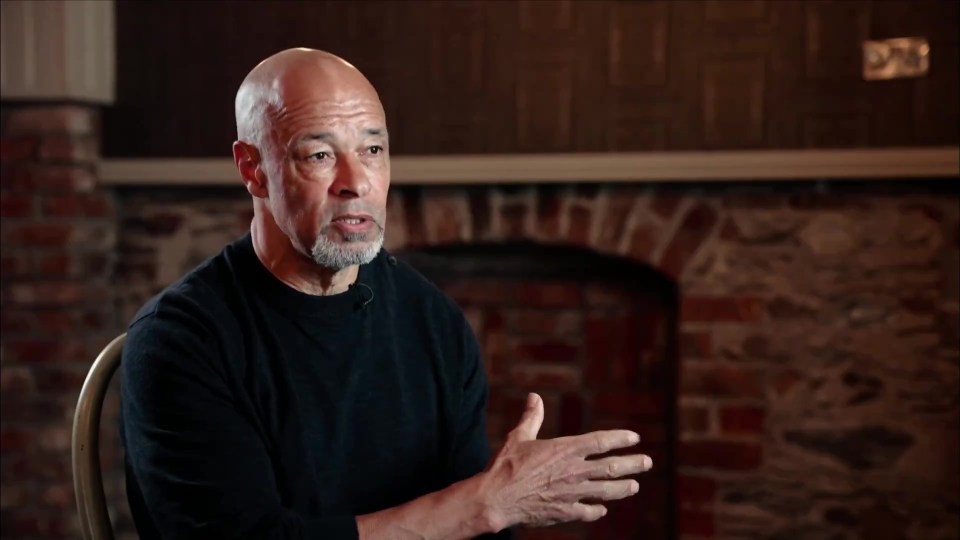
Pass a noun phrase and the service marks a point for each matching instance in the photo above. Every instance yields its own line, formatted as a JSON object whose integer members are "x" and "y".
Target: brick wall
{"x": 818, "y": 331}
{"x": 58, "y": 245}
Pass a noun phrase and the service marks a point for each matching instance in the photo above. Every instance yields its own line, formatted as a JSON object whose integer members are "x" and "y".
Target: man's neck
{"x": 295, "y": 269}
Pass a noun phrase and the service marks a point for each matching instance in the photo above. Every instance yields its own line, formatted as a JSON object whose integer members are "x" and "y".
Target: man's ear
{"x": 247, "y": 158}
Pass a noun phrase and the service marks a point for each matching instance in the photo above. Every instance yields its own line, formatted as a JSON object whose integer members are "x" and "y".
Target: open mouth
{"x": 350, "y": 220}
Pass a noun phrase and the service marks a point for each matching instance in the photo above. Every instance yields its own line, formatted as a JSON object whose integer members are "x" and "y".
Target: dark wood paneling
{"x": 540, "y": 76}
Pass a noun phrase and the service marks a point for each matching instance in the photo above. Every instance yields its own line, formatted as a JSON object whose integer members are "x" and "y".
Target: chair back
{"x": 87, "y": 478}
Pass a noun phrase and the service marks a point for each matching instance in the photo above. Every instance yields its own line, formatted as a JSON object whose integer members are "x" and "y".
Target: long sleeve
{"x": 201, "y": 469}
{"x": 471, "y": 448}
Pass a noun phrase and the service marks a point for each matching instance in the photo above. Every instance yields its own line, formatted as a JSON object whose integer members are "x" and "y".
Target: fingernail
{"x": 634, "y": 486}
{"x": 634, "y": 438}
{"x": 647, "y": 463}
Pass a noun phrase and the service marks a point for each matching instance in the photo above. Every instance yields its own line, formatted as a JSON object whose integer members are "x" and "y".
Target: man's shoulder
{"x": 417, "y": 289}
{"x": 200, "y": 294}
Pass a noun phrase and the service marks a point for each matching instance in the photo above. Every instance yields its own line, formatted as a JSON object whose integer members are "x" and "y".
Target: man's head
{"x": 312, "y": 149}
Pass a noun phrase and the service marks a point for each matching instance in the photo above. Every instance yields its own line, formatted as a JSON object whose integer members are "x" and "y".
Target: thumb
{"x": 532, "y": 419}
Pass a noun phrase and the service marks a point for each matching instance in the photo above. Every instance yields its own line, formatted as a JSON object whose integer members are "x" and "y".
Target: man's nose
{"x": 351, "y": 180}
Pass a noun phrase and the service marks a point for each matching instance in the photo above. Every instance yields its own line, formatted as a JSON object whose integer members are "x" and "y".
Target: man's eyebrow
{"x": 376, "y": 132}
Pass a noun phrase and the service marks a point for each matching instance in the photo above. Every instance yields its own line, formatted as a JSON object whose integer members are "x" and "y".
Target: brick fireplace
{"x": 811, "y": 332}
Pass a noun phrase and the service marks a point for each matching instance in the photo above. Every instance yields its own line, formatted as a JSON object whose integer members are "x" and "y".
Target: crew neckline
{"x": 287, "y": 299}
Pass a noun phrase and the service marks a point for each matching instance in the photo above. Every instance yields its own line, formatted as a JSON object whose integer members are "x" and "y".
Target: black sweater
{"x": 251, "y": 410}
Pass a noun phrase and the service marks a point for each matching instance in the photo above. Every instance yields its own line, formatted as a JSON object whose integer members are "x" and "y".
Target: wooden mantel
{"x": 762, "y": 165}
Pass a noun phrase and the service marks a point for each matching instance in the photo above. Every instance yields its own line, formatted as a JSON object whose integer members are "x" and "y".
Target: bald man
{"x": 303, "y": 383}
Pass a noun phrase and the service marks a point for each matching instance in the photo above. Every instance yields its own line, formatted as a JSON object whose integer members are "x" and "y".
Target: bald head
{"x": 292, "y": 78}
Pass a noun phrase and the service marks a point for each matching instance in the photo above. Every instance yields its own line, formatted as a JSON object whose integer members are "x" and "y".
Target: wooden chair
{"x": 87, "y": 479}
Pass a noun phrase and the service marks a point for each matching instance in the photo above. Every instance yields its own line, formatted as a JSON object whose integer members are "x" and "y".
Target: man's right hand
{"x": 542, "y": 482}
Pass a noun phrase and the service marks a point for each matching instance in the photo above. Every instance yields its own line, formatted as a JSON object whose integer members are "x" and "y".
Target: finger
{"x": 587, "y": 512}
{"x": 601, "y": 442}
{"x": 610, "y": 490}
{"x": 615, "y": 467}
{"x": 532, "y": 419}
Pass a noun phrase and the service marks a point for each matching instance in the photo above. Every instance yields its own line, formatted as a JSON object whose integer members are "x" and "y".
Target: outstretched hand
{"x": 542, "y": 482}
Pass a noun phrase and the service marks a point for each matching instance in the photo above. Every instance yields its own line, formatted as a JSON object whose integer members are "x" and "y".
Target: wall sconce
{"x": 895, "y": 58}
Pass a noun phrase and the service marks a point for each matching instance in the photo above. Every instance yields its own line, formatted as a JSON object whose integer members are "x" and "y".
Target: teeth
{"x": 351, "y": 221}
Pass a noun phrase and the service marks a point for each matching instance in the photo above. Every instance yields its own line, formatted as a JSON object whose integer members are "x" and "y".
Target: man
{"x": 305, "y": 384}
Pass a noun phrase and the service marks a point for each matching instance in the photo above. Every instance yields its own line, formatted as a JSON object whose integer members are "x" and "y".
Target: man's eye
{"x": 376, "y": 149}
{"x": 319, "y": 156}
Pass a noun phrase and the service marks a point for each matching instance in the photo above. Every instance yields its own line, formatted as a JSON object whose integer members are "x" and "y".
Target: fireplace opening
{"x": 595, "y": 336}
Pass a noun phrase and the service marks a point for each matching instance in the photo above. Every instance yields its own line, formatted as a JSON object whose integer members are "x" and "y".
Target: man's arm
{"x": 530, "y": 482}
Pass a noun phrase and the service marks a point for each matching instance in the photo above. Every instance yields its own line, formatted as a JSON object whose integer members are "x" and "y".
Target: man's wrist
{"x": 486, "y": 517}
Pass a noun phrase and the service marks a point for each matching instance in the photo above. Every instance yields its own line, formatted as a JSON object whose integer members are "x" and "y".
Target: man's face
{"x": 329, "y": 171}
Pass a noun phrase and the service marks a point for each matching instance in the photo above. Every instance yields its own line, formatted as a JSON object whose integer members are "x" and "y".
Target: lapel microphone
{"x": 362, "y": 303}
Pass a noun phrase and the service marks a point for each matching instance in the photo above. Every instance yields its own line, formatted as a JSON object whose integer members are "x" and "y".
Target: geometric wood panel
{"x": 638, "y": 42}
{"x": 733, "y": 104}
{"x": 499, "y": 77}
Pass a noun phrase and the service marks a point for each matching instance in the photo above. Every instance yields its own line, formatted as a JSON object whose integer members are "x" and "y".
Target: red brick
{"x": 38, "y": 235}
{"x": 551, "y": 352}
{"x": 571, "y": 414}
{"x": 785, "y": 381}
{"x": 481, "y": 292}
{"x": 549, "y": 294}
{"x": 57, "y": 321}
{"x": 742, "y": 420}
{"x": 36, "y": 467}
{"x": 59, "y": 496}
{"x": 72, "y": 119}
{"x": 55, "y": 294}
{"x": 96, "y": 321}
{"x": 696, "y": 490}
{"x": 547, "y": 377}
{"x": 643, "y": 240}
{"x": 62, "y": 206}
{"x": 18, "y": 379}
{"x": 613, "y": 222}
{"x": 15, "y": 322}
{"x": 606, "y": 295}
{"x": 44, "y": 351}
{"x": 23, "y": 525}
{"x": 694, "y": 229}
{"x": 16, "y": 205}
{"x": 15, "y": 265}
{"x": 544, "y": 323}
{"x": 513, "y": 220}
{"x": 581, "y": 220}
{"x": 52, "y": 264}
{"x": 549, "y": 206}
{"x": 61, "y": 378}
{"x": 694, "y": 419}
{"x": 665, "y": 206}
{"x": 696, "y": 344}
{"x": 18, "y": 148}
{"x": 697, "y": 523}
{"x": 59, "y": 264}
{"x": 135, "y": 271}
{"x": 14, "y": 439}
{"x": 616, "y": 342}
{"x": 719, "y": 381}
{"x": 719, "y": 454}
{"x": 68, "y": 149}
{"x": 56, "y": 179}
{"x": 633, "y": 404}
{"x": 548, "y": 533}
{"x": 720, "y": 309}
